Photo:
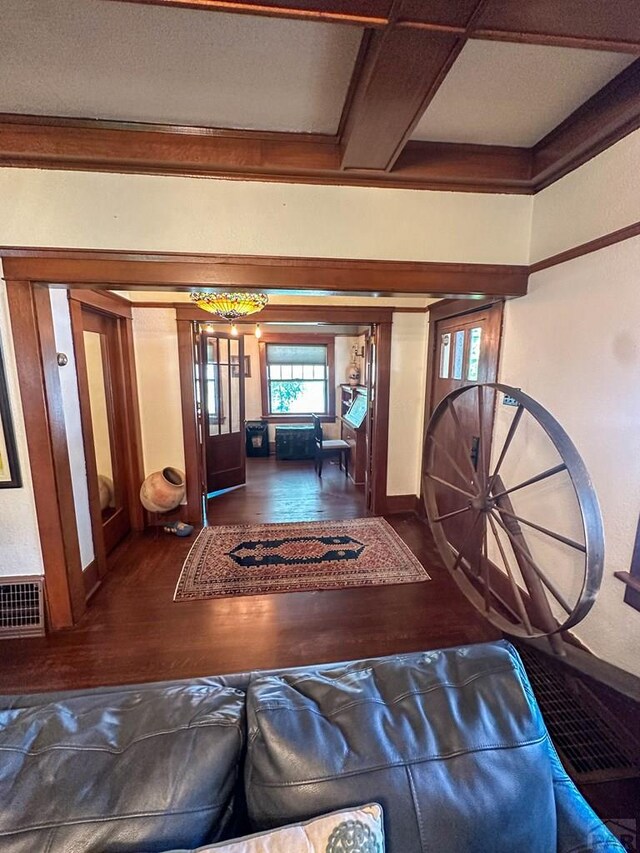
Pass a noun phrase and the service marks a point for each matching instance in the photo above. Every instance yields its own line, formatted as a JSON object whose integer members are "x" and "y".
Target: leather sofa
{"x": 450, "y": 743}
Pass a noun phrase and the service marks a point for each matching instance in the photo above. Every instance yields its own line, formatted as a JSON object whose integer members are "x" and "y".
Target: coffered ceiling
{"x": 128, "y": 62}
{"x": 482, "y": 95}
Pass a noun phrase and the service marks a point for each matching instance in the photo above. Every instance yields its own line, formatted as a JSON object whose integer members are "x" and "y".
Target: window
{"x": 297, "y": 376}
{"x": 474, "y": 354}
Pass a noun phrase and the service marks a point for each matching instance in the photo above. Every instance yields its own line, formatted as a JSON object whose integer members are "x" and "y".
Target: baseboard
{"x": 396, "y": 504}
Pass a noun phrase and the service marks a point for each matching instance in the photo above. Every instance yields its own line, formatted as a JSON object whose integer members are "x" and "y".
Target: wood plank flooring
{"x": 134, "y": 632}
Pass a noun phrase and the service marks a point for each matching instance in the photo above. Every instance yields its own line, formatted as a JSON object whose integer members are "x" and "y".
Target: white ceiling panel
{"x": 513, "y": 94}
{"x": 93, "y": 59}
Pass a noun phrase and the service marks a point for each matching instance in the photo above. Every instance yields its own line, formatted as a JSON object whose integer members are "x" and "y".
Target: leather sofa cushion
{"x": 451, "y": 744}
{"x": 139, "y": 769}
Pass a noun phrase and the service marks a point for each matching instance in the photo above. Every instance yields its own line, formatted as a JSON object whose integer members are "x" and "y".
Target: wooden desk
{"x": 356, "y": 436}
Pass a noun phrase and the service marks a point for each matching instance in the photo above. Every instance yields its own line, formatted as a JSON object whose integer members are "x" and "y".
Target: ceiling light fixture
{"x": 230, "y": 306}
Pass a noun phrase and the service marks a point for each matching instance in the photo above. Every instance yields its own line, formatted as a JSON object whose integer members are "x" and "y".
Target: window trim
{"x": 325, "y": 340}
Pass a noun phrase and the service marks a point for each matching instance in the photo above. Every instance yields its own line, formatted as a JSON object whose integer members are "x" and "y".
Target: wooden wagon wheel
{"x": 484, "y": 541}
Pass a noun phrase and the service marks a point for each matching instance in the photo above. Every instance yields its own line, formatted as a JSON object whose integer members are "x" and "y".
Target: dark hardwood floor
{"x": 133, "y": 631}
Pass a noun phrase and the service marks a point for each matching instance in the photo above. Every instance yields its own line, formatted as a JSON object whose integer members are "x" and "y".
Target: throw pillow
{"x": 352, "y": 831}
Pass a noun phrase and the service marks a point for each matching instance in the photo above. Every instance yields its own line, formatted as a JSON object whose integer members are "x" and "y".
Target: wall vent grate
{"x": 593, "y": 746}
{"x": 21, "y": 607}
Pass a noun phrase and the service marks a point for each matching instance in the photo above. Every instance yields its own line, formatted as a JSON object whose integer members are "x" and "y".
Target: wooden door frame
{"x": 111, "y": 306}
{"x": 41, "y": 396}
{"x": 30, "y": 271}
{"x": 382, "y": 318}
{"x": 447, "y": 309}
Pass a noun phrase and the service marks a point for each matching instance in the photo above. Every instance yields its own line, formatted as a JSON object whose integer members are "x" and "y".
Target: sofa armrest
{"x": 580, "y": 830}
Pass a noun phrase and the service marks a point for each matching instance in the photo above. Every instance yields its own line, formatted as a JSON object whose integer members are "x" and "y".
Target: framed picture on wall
{"x": 234, "y": 366}
{"x": 9, "y": 468}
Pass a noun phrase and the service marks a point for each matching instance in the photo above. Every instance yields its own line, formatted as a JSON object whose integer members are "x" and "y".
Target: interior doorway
{"x": 255, "y": 401}
{"x": 464, "y": 350}
{"x": 109, "y": 426}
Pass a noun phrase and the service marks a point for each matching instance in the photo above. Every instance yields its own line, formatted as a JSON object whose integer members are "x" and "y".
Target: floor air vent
{"x": 21, "y": 607}
{"x": 592, "y": 745}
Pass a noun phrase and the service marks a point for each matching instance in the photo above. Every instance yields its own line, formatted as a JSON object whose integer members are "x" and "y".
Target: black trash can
{"x": 257, "y": 438}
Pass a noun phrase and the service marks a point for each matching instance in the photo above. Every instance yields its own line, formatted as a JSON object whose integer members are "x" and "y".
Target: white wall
{"x": 19, "y": 540}
{"x": 602, "y": 196}
{"x": 572, "y": 343}
{"x": 406, "y": 404}
{"x": 157, "y": 213}
{"x": 155, "y": 337}
{"x": 73, "y": 423}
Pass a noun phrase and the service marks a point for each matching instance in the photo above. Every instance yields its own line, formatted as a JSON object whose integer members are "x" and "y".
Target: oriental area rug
{"x": 255, "y": 559}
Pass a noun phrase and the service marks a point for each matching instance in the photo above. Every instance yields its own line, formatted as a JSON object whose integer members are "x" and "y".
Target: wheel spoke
{"x": 466, "y": 541}
{"x": 447, "y": 515}
{"x": 449, "y": 485}
{"x": 463, "y": 442}
{"x": 538, "y": 478}
{"x": 482, "y": 454}
{"x": 522, "y": 610}
{"x": 515, "y": 423}
{"x": 571, "y": 542}
{"x": 452, "y": 461}
{"x": 555, "y": 592}
{"x": 484, "y": 569}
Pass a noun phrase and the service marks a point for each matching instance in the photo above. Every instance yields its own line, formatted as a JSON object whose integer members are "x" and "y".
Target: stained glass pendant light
{"x": 230, "y": 306}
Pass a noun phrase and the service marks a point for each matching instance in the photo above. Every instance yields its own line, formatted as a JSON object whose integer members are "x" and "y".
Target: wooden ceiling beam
{"x": 588, "y": 24}
{"x": 604, "y": 119}
{"x": 140, "y": 149}
{"x": 402, "y": 70}
{"x": 364, "y": 13}
{"x": 148, "y": 271}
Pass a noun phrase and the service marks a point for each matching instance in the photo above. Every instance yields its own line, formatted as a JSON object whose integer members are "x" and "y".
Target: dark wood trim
{"x": 586, "y": 24}
{"x": 135, "y": 270}
{"x": 298, "y": 338}
{"x": 380, "y": 452}
{"x": 284, "y": 313}
{"x": 590, "y": 25}
{"x": 91, "y": 579}
{"x": 397, "y": 504}
{"x": 447, "y": 166}
{"x": 445, "y": 308}
{"x": 629, "y": 231}
{"x": 32, "y": 329}
{"x": 604, "y": 119}
{"x": 632, "y": 577}
{"x": 340, "y": 315}
{"x": 95, "y": 513}
{"x": 133, "y": 429}
{"x": 147, "y": 149}
{"x": 296, "y": 419}
{"x": 364, "y": 13}
{"x": 104, "y": 301}
{"x": 402, "y": 70}
{"x": 190, "y": 427}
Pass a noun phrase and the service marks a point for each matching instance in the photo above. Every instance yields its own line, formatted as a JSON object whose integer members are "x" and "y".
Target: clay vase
{"x": 163, "y": 490}
{"x": 353, "y": 374}
{"x": 105, "y": 490}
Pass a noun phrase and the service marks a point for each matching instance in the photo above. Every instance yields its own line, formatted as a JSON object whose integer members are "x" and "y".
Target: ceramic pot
{"x": 163, "y": 490}
{"x": 353, "y": 374}
{"x": 105, "y": 490}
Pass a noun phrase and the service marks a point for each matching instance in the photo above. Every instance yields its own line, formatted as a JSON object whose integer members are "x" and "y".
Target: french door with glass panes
{"x": 466, "y": 351}
{"x": 222, "y": 409}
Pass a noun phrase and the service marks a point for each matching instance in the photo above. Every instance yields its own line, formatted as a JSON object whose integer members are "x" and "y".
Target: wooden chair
{"x": 331, "y": 447}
